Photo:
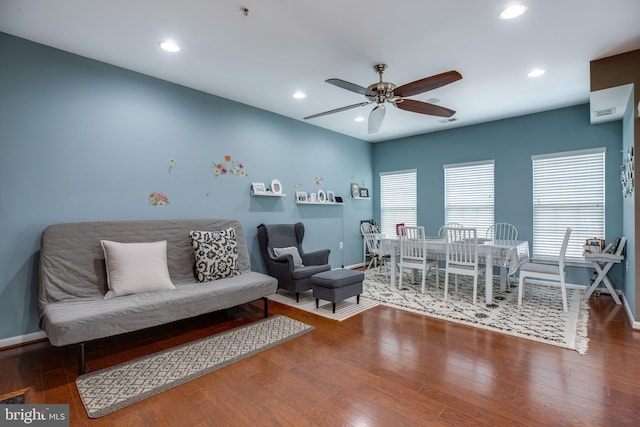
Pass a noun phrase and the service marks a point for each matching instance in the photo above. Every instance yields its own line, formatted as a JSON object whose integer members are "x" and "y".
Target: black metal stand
{"x": 266, "y": 306}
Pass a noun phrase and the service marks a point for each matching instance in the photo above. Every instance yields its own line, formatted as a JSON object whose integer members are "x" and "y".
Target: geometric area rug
{"x": 539, "y": 318}
{"x": 107, "y": 390}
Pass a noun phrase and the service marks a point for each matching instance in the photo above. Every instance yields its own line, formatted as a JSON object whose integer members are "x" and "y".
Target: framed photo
{"x": 301, "y": 196}
{"x": 338, "y": 199}
{"x": 258, "y": 188}
{"x": 322, "y": 197}
{"x": 364, "y": 192}
{"x": 355, "y": 190}
{"x": 331, "y": 197}
{"x": 276, "y": 187}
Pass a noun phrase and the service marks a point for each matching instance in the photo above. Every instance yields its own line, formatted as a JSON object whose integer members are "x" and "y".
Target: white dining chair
{"x": 366, "y": 227}
{"x": 413, "y": 254}
{"x": 546, "y": 272}
{"x": 372, "y": 241}
{"x": 449, "y": 225}
{"x": 462, "y": 257}
{"x": 502, "y": 231}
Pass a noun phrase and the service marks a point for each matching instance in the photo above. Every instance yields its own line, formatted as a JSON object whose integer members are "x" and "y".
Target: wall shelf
{"x": 267, "y": 195}
{"x": 319, "y": 203}
{"x": 361, "y": 198}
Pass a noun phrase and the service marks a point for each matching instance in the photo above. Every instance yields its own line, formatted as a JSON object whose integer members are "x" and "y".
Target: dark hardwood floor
{"x": 385, "y": 367}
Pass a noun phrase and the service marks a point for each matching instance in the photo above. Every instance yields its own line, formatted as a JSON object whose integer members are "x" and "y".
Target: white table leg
{"x": 503, "y": 278}
{"x": 602, "y": 276}
{"x": 393, "y": 270}
{"x": 489, "y": 278}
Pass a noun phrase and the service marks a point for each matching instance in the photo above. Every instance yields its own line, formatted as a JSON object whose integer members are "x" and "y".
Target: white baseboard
{"x": 352, "y": 266}
{"x": 22, "y": 339}
{"x": 633, "y": 322}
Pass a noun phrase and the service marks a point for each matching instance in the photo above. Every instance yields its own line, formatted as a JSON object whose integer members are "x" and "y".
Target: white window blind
{"x": 397, "y": 200}
{"x": 568, "y": 191}
{"x": 468, "y": 195}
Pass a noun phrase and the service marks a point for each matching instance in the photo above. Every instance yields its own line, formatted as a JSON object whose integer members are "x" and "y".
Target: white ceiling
{"x": 287, "y": 45}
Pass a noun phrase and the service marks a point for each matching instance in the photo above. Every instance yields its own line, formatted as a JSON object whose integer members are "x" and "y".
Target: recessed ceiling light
{"x": 169, "y": 46}
{"x": 359, "y": 119}
{"x": 299, "y": 95}
{"x": 536, "y": 73}
{"x": 513, "y": 11}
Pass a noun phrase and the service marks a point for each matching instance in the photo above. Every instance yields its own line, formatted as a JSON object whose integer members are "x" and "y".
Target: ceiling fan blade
{"x": 351, "y": 86}
{"x": 428, "y": 83}
{"x": 424, "y": 108}
{"x": 375, "y": 118}
{"x": 337, "y": 110}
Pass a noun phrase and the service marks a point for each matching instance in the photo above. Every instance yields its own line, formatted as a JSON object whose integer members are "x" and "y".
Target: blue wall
{"x": 83, "y": 140}
{"x": 511, "y": 143}
{"x": 628, "y": 225}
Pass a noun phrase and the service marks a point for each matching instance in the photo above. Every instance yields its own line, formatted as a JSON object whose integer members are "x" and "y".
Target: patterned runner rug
{"x": 540, "y": 318}
{"x": 119, "y": 386}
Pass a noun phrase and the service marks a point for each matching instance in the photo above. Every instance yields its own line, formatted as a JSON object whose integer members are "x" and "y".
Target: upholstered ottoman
{"x": 337, "y": 285}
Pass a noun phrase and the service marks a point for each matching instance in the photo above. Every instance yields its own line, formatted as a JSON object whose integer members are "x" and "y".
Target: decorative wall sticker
{"x": 229, "y": 166}
{"x": 319, "y": 180}
{"x": 158, "y": 199}
{"x": 626, "y": 174}
{"x": 172, "y": 162}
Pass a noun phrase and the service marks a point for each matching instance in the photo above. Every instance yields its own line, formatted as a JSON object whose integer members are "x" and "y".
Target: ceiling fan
{"x": 383, "y": 92}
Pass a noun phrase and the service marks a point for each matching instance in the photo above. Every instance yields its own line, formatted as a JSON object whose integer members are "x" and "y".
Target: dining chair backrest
{"x": 563, "y": 250}
{"x": 412, "y": 244}
{"x": 373, "y": 242}
{"x": 367, "y": 227}
{"x": 449, "y": 225}
{"x": 502, "y": 231}
{"x": 461, "y": 246}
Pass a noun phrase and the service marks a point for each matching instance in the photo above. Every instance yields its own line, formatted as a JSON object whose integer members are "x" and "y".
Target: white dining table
{"x": 509, "y": 255}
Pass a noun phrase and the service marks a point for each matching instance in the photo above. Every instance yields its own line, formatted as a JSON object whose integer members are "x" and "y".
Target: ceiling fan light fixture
{"x": 513, "y": 11}
{"x": 536, "y": 72}
{"x": 169, "y": 46}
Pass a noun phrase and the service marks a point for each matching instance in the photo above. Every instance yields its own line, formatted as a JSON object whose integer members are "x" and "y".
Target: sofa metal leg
{"x": 266, "y": 306}
{"x": 81, "y": 369}
{"x": 297, "y": 296}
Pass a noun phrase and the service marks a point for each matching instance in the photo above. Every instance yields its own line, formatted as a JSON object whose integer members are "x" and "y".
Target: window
{"x": 568, "y": 191}
{"x": 468, "y": 195}
{"x": 397, "y": 200}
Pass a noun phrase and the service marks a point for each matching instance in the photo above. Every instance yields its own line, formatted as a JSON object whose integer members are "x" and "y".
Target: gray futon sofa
{"x": 73, "y": 280}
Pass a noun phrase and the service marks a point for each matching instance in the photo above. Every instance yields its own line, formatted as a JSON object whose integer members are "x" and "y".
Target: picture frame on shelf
{"x": 339, "y": 199}
{"x": 276, "y": 187}
{"x": 258, "y": 188}
{"x": 355, "y": 190}
{"x": 312, "y": 198}
{"x": 322, "y": 196}
{"x": 301, "y": 196}
{"x": 331, "y": 197}
{"x": 364, "y": 193}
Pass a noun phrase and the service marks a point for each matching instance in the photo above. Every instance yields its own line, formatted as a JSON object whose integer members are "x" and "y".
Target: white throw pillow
{"x": 290, "y": 250}
{"x": 134, "y": 268}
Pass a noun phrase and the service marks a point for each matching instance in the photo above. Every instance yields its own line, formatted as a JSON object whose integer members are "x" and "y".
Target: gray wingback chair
{"x": 281, "y": 238}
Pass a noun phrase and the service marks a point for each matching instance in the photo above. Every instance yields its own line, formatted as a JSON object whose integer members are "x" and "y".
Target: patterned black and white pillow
{"x": 216, "y": 254}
